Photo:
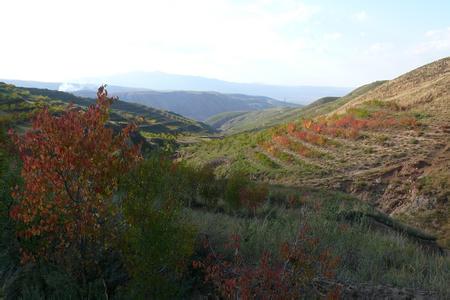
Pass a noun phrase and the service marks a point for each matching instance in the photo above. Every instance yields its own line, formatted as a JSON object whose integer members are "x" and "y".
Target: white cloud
{"x": 360, "y": 16}
{"x": 52, "y": 40}
{"x": 379, "y": 49}
{"x": 333, "y": 36}
{"x": 437, "y": 40}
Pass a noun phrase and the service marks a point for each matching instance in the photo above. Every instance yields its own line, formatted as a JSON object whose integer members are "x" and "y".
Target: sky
{"x": 286, "y": 42}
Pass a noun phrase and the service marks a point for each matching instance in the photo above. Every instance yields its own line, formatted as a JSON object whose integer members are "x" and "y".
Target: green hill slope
{"x": 196, "y": 105}
{"x": 230, "y": 124}
{"x": 387, "y": 143}
{"x": 17, "y": 105}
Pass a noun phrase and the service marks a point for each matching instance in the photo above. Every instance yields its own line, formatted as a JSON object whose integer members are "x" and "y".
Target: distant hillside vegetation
{"x": 218, "y": 120}
{"x": 196, "y": 105}
{"x": 322, "y": 101}
{"x": 17, "y": 106}
{"x": 256, "y": 120}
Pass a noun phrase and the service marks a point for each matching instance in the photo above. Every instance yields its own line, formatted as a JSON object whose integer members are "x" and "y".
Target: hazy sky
{"x": 339, "y": 43}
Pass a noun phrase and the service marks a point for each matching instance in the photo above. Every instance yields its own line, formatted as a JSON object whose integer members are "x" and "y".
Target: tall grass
{"x": 367, "y": 255}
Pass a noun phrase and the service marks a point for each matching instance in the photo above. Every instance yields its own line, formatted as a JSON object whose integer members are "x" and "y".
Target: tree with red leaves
{"x": 71, "y": 166}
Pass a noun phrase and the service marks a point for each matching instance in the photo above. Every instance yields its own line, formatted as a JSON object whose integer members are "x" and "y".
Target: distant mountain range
{"x": 193, "y": 104}
{"x": 302, "y": 94}
{"x": 192, "y": 96}
{"x": 196, "y": 105}
{"x": 164, "y": 81}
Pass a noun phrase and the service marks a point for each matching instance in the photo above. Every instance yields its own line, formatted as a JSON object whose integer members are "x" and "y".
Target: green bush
{"x": 234, "y": 184}
{"x": 209, "y": 189}
{"x": 157, "y": 243}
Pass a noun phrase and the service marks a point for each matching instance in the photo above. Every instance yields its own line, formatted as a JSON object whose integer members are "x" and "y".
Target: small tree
{"x": 71, "y": 166}
{"x": 157, "y": 241}
{"x": 235, "y": 183}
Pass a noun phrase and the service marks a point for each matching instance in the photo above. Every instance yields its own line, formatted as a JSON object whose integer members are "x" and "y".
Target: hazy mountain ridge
{"x": 196, "y": 105}
{"x": 301, "y": 94}
{"x": 149, "y": 120}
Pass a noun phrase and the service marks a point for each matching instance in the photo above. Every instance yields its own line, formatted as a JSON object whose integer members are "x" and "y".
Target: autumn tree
{"x": 71, "y": 166}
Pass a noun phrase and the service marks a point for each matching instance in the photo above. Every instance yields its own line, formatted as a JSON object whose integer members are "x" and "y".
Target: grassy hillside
{"x": 270, "y": 117}
{"x": 196, "y": 105}
{"x": 387, "y": 143}
{"x": 425, "y": 88}
{"x": 218, "y": 120}
{"x": 17, "y": 105}
{"x": 323, "y": 101}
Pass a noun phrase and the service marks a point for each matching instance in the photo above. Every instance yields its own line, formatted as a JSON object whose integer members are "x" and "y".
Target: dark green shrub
{"x": 253, "y": 196}
{"x": 157, "y": 242}
{"x": 235, "y": 183}
{"x": 209, "y": 189}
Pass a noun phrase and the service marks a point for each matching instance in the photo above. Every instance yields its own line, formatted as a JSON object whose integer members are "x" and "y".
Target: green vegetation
{"x": 218, "y": 120}
{"x": 370, "y": 142}
{"x": 231, "y": 123}
{"x": 366, "y": 254}
{"x": 17, "y": 105}
{"x": 200, "y": 105}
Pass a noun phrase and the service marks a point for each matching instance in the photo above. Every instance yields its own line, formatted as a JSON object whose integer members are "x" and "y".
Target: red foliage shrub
{"x": 253, "y": 196}
{"x": 307, "y": 123}
{"x": 409, "y": 122}
{"x": 71, "y": 165}
{"x": 281, "y": 140}
{"x": 291, "y": 127}
{"x": 284, "y": 278}
{"x": 310, "y": 137}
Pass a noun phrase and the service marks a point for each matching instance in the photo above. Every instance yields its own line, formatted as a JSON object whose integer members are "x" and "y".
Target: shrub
{"x": 209, "y": 189}
{"x": 9, "y": 177}
{"x": 71, "y": 166}
{"x": 289, "y": 277}
{"x": 253, "y": 196}
{"x": 235, "y": 183}
{"x": 156, "y": 242}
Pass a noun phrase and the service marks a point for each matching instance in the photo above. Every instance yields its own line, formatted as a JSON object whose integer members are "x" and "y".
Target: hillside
{"x": 18, "y": 104}
{"x": 271, "y": 117}
{"x": 387, "y": 143}
{"x": 323, "y": 101}
{"x": 426, "y": 88}
{"x": 196, "y": 105}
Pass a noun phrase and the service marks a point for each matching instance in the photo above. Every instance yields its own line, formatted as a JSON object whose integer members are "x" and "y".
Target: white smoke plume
{"x": 69, "y": 87}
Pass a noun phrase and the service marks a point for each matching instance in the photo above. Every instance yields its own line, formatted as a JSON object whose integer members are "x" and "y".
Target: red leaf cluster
{"x": 71, "y": 165}
{"x": 269, "y": 278}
